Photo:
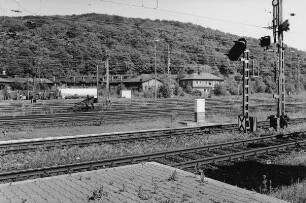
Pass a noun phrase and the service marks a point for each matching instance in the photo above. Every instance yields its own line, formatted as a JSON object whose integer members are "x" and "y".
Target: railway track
{"x": 186, "y": 158}
{"x": 120, "y": 113}
{"x": 98, "y": 117}
{"x": 20, "y": 146}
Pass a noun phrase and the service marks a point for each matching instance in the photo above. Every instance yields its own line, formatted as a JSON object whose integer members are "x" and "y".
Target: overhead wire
{"x": 26, "y": 10}
{"x": 175, "y": 12}
{"x": 180, "y": 13}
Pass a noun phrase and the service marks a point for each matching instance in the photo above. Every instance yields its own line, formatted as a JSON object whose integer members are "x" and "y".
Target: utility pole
{"x": 168, "y": 64}
{"x": 298, "y": 74}
{"x": 278, "y": 27}
{"x": 39, "y": 80}
{"x": 97, "y": 83}
{"x": 107, "y": 79}
{"x": 34, "y": 81}
{"x": 278, "y": 34}
{"x": 155, "y": 70}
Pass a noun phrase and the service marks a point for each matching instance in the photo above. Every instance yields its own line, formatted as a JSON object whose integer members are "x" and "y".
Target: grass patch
{"x": 296, "y": 192}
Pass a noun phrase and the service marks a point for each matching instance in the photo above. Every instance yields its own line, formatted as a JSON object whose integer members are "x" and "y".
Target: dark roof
{"x": 137, "y": 79}
{"x": 25, "y": 80}
{"x": 5, "y": 80}
{"x": 202, "y": 76}
{"x": 116, "y": 79}
{"x": 45, "y": 80}
{"x": 65, "y": 80}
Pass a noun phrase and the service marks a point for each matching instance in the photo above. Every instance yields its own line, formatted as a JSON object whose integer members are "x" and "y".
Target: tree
{"x": 270, "y": 84}
{"x": 231, "y": 85}
{"x": 259, "y": 86}
{"x": 178, "y": 91}
{"x": 220, "y": 90}
{"x": 79, "y": 41}
{"x": 188, "y": 89}
{"x": 165, "y": 90}
{"x": 290, "y": 88}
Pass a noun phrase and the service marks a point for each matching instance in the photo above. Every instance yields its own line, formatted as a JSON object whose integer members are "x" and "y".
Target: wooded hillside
{"x": 63, "y": 46}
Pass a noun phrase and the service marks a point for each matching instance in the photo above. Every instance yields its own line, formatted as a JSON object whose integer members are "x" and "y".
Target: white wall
{"x": 83, "y": 92}
{"x": 126, "y": 94}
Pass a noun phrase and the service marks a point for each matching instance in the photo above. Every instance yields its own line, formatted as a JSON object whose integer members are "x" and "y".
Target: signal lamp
{"x": 284, "y": 26}
{"x": 238, "y": 48}
{"x": 265, "y": 41}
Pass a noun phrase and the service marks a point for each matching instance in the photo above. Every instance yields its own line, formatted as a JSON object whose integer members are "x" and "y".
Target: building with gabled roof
{"x": 132, "y": 82}
{"x": 204, "y": 82}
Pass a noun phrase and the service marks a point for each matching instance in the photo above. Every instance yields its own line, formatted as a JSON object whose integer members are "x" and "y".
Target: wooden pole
{"x": 107, "y": 79}
{"x": 97, "y": 78}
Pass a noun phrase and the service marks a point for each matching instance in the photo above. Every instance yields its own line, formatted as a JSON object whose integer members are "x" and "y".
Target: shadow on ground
{"x": 250, "y": 174}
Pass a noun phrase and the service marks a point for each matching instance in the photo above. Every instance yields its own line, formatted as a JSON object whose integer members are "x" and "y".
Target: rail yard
{"x": 207, "y": 155}
{"x": 152, "y": 101}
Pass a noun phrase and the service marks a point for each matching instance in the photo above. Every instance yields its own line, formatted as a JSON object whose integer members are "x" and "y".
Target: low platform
{"x": 140, "y": 183}
{"x": 196, "y": 124}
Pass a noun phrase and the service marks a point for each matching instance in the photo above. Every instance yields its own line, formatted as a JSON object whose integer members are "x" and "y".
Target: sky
{"x": 239, "y": 17}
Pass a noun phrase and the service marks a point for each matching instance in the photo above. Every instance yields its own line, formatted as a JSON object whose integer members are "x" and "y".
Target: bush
{"x": 233, "y": 90}
{"x": 196, "y": 93}
{"x": 164, "y": 91}
{"x": 259, "y": 86}
{"x": 178, "y": 91}
{"x": 290, "y": 88}
{"x": 137, "y": 94}
{"x": 148, "y": 94}
{"x": 188, "y": 90}
{"x": 220, "y": 90}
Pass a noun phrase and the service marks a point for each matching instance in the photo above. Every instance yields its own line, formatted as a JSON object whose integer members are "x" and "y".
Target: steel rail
{"x": 112, "y": 138}
{"x": 244, "y": 154}
{"x": 25, "y": 145}
{"x": 92, "y": 165}
{"x": 68, "y": 118}
{"x": 109, "y": 116}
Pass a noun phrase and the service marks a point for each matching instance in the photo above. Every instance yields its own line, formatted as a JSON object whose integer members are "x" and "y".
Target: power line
{"x": 26, "y": 10}
{"x": 251, "y": 6}
{"x": 181, "y": 13}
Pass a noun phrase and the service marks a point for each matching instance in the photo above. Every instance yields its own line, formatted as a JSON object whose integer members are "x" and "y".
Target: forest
{"x": 65, "y": 46}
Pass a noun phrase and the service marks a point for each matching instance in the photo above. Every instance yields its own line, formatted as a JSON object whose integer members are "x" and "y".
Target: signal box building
{"x": 204, "y": 82}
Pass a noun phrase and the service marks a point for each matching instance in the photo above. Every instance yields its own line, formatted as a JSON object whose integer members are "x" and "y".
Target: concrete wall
{"x": 126, "y": 94}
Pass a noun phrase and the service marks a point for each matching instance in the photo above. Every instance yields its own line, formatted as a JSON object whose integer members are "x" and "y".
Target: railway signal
{"x": 284, "y": 26}
{"x": 279, "y": 26}
{"x": 238, "y": 48}
{"x": 265, "y": 41}
{"x": 245, "y": 123}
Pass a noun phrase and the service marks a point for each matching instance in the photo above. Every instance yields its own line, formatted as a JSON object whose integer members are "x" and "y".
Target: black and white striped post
{"x": 244, "y": 119}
